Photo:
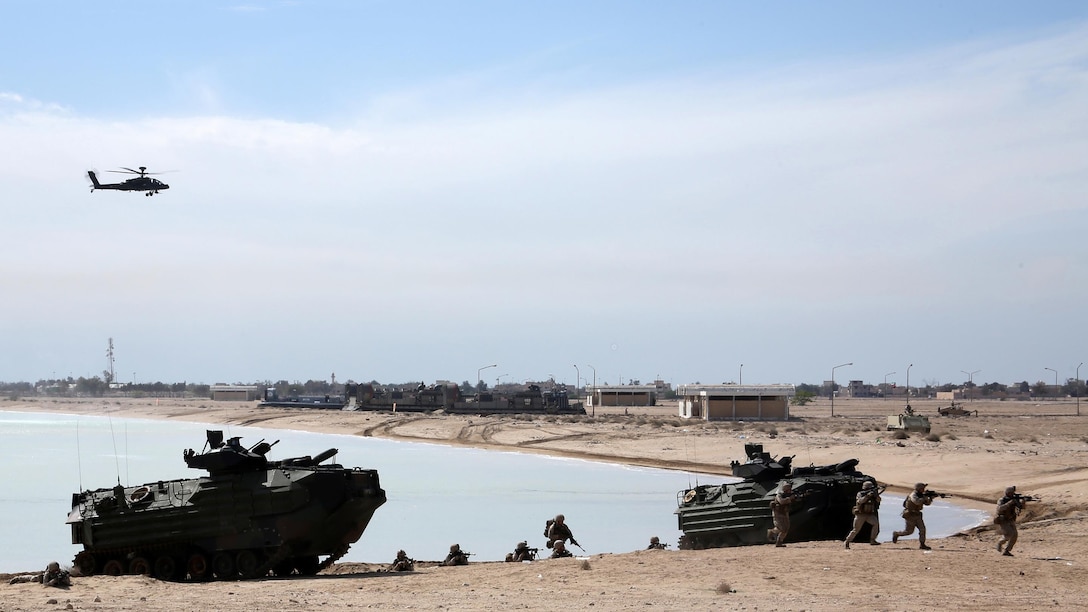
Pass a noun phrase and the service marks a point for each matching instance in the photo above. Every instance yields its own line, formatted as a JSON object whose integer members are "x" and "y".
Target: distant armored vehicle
{"x": 956, "y": 410}
{"x": 247, "y": 517}
{"x": 739, "y": 514}
{"x": 908, "y": 421}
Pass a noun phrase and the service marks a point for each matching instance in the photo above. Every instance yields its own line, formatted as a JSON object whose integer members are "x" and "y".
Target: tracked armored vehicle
{"x": 739, "y": 514}
{"x": 249, "y": 516}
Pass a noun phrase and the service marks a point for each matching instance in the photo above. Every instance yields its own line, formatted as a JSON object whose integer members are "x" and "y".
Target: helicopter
{"x": 143, "y": 182}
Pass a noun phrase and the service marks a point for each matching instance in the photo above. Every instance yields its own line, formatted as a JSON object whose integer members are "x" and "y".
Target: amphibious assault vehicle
{"x": 739, "y": 514}
{"x": 247, "y": 517}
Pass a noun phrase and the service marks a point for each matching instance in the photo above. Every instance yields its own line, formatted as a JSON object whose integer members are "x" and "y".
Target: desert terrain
{"x": 1042, "y": 448}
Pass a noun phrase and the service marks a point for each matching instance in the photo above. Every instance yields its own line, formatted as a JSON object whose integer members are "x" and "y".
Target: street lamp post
{"x": 577, "y": 377}
{"x": 970, "y": 381}
{"x": 908, "y": 384}
{"x": 1057, "y": 389}
{"x": 479, "y": 371}
{"x": 740, "y": 375}
{"x": 833, "y": 384}
{"x": 885, "y": 388}
{"x": 1078, "y": 387}
{"x": 592, "y": 399}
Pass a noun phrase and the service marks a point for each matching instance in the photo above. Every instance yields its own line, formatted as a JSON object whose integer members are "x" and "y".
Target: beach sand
{"x": 1042, "y": 448}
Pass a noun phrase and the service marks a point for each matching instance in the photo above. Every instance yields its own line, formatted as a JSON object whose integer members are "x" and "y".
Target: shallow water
{"x": 437, "y": 495}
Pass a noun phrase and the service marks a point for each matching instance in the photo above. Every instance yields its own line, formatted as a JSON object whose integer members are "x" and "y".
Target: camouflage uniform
{"x": 559, "y": 550}
{"x": 1005, "y": 519}
{"x": 402, "y": 563}
{"x": 655, "y": 544}
{"x": 559, "y": 532}
{"x": 54, "y": 576}
{"x": 522, "y": 552}
{"x": 456, "y": 556}
{"x": 780, "y": 513}
{"x": 866, "y": 511}
{"x": 912, "y": 515}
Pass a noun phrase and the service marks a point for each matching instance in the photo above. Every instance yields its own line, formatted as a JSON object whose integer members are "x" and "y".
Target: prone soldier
{"x": 522, "y": 552}
{"x": 402, "y": 563}
{"x": 456, "y": 556}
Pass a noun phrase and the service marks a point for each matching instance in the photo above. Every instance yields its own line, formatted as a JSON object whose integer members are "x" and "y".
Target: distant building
{"x": 235, "y": 393}
{"x": 735, "y": 402}
{"x": 623, "y": 395}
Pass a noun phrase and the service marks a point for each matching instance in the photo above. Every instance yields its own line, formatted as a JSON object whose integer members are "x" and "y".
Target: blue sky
{"x": 412, "y": 190}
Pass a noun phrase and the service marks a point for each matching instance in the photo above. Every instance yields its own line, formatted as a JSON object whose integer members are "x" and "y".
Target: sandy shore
{"x": 1043, "y": 449}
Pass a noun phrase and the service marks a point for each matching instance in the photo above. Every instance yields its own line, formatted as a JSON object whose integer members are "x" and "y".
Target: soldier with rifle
{"x": 522, "y": 552}
{"x": 866, "y": 509}
{"x": 912, "y": 513}
{"x": 780, "y": 513}
{"x": 402, "y": 563}
{"x": 456, "y": 556}
{"x": 655, "y": 544}
{"x": 1008, "y": 507}
{"x": 557, "y": 530}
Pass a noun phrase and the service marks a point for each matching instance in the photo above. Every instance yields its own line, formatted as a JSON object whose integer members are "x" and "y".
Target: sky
{"x": 691, "y": 191}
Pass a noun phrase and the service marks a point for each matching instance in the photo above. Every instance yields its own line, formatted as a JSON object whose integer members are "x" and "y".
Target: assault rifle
{"x": 1024, "y": 498}
{"x": 932, "y": 494}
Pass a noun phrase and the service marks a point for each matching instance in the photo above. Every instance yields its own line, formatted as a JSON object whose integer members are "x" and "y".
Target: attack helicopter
{"x": 141, "y": 182}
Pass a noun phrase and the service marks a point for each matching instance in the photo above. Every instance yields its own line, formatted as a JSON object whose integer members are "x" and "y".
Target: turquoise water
{"x": 437, "y": 495}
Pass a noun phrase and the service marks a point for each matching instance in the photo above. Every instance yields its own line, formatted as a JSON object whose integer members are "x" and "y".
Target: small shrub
{"x": 934, "y": 437}
{"x": 723, "y": 588}
{"x": 900, "y": 435}
{"x": 585, "y": 564}
{"x": 951, "y": 437}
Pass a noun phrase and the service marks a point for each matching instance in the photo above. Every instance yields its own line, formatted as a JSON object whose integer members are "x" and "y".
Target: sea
{"x": 438, "y": 495}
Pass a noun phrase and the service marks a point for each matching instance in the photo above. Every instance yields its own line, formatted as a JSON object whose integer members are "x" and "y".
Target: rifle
{"x": 932, "y": 494}
{"x": 1025, "y": 498}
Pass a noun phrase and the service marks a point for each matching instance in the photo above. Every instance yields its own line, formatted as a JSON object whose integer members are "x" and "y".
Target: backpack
{"x": 548, "y": 527}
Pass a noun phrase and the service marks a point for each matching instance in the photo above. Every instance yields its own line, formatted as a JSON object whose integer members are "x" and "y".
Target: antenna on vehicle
{"x": 79, "y": 457}
{"x": 113, "y": 438}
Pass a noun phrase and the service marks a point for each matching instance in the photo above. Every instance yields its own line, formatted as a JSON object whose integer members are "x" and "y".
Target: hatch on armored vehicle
{"x": 249, "y": 516}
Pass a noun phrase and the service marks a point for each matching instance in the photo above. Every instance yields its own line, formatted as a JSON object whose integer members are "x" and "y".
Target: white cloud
{"x": 857, "y": 185}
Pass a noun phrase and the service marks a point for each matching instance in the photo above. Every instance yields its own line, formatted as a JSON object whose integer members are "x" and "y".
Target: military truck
{"x": 249, "y": 516}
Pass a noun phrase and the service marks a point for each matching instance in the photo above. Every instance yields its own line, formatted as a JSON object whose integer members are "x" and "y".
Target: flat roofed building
{"x": 623, "y": 395}
{"x": 735, "y": 402}
{"x": 235, "y": 393}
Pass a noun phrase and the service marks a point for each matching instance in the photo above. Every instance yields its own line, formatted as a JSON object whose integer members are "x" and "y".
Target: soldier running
{"x": 1008, "y": 507}
{"x": 912, "y": 515}
{"x": 866, "y": 511}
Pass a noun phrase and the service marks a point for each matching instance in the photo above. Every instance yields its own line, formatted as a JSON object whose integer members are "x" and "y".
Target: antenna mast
{"x": 109, "y": 362}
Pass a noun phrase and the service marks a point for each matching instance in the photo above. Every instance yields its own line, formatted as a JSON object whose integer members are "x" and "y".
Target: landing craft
{"x": 143, "y": 182}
